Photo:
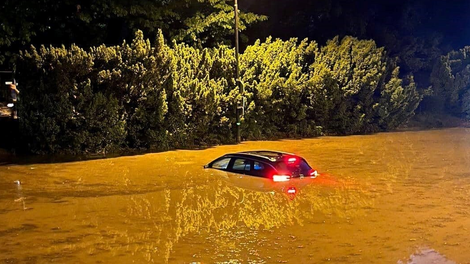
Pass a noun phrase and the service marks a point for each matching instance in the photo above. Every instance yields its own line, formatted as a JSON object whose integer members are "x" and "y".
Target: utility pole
{"x": 237, "y": 76}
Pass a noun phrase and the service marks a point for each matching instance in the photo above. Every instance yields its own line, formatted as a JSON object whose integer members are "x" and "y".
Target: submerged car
{"x": 279, "y": 166}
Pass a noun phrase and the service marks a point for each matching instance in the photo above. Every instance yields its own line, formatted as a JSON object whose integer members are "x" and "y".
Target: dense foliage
{"x": 144, "y": 96}
{"x": 451, "y": 83}
{"x": 91, "y": 23}
{"x": 345, "y": 87}
{"x": 416, "y": 32}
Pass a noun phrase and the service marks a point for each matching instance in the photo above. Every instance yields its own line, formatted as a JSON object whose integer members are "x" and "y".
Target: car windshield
{"x": 299, "y": 168}
{"x": 221, "y": 163}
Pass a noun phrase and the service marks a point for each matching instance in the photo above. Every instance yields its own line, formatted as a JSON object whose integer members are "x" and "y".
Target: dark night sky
{"x": 416, "y": 33}
{"x": 323, "y": 19}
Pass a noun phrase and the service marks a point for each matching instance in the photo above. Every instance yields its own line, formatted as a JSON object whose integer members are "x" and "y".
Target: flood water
{"x": 385, "y": 198}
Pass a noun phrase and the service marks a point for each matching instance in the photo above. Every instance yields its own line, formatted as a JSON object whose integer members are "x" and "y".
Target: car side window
{"x": 221, "y": 164}
{"x": 258, "y": 166}
{"x": 241, "y": 165}
{"x": 260, "y": 169}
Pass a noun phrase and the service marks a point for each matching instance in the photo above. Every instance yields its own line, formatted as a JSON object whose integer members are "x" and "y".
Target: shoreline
{"x": 9, "y": 157}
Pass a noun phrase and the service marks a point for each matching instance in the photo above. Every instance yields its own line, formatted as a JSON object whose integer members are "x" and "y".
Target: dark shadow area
{"x": 429, "y": 120}
{"x": 8, "y": 133}
{"x": 9, "y": 157}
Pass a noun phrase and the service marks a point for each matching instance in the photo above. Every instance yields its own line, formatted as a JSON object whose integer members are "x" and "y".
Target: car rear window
{"x": 302, "y": 166}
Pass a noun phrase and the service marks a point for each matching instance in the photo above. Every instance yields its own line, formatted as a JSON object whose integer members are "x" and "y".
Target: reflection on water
{"x": 378, "y": 199}
{"x": 220, "y": 208}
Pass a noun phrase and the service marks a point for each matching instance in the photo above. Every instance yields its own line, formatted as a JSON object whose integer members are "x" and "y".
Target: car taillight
{"x": 313, "y": 173}
{"x": 281, "y": 178}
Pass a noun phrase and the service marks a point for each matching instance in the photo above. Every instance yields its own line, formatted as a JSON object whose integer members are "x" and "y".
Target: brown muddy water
{"x": 400, "y": 197}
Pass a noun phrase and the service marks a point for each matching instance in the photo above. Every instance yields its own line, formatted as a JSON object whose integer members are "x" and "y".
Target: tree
{"x": 415, "y": 32}
{"x": 451, "y": 82}
{"x": 275, "y": 75}
{"x": 356, "y": 88}
{"x": 155, "y": 96}
{"x": 92, "y": 23}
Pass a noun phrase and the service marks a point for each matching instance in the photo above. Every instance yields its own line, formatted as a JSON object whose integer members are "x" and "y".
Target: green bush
{"x": 138, "y": 75}
{"x": 346, "y": 87}
{"x": 354, "y": 88}
{"x": 450, "y": 81}
{"x": 157, "y": 97}
{"x": 202, "y": 96}
{"x": 275, "y": 76}
{"x": 59, "y": 108}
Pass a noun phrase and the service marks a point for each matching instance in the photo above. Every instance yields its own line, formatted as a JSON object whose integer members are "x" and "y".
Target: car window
{"x": 302, "y": 167}
{"x": 261, "y": 169}
{"x": 221, "y": 164}
{"x": 241, "y": 165}
{"x": 258, "y": 166}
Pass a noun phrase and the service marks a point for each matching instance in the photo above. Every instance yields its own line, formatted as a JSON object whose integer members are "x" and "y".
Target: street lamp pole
{"x": 237, "y": 76}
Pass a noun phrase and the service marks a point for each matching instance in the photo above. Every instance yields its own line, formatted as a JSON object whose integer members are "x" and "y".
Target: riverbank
{"x": 5, "y": 156}
{"x": 418, "y": 122}
{"x": 425, "y": 121}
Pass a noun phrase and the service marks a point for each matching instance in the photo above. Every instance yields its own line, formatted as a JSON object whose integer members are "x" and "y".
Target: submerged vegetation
{"x": 159, "y": 96}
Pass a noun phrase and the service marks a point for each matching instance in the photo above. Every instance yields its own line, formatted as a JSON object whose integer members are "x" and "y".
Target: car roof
{"x": 266, "y": 155}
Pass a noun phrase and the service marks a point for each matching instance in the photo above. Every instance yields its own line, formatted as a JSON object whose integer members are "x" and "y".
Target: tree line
{"x": 156, "y": 96}
{"x": 201, "y": 23}
{"x": 337, "y": 85}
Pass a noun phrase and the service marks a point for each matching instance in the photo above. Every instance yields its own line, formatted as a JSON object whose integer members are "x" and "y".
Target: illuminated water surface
{"x": 379, "y": 199}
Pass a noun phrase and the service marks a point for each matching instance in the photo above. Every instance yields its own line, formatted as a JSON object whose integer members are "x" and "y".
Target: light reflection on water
{"x": 378, "y": 199}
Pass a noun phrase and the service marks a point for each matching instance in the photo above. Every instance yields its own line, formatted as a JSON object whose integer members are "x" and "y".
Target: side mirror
{"x": 206, "y": 166}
